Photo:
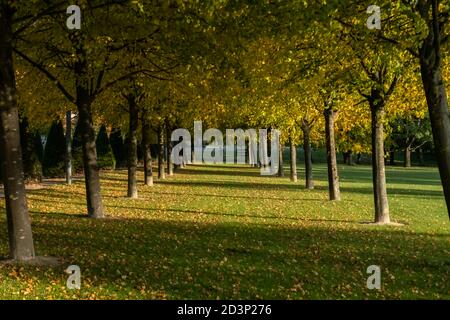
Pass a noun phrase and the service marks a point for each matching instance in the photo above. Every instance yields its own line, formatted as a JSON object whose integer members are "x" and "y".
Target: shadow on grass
{"x": 297, "y": 187}
{"x": 194, "y": 260}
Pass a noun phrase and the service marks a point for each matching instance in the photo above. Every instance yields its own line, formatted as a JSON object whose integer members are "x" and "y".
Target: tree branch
{"x": 47, "y": 73}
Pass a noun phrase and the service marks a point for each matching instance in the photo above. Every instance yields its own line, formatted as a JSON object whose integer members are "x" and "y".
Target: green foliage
{"x": 77, "y": 151}
{"x": 32, "y": 168}
{"x": 118, "y": 147}
{"x": 53, "y": 164}
{"x": 39, "y": 148}
{"x": 105, "y": 156}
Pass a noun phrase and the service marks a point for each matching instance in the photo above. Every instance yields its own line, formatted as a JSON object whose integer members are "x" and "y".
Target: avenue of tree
{"x": 136, "y": 70}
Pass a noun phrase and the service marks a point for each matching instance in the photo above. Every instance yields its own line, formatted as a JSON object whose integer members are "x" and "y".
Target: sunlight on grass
{"x": 226, "y": 232}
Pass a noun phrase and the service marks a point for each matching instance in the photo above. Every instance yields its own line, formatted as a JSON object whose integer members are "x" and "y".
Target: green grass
{"x": 226, "y": 232}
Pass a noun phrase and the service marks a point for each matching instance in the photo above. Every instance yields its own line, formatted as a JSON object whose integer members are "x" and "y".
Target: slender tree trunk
{"x": 407, "y": 162}
{"x": 436, "y": 95}
{"x": 378, "y": 167}
{"x": 392, "y": 157}
{"x": 358, "y": 158}
{"x": 293, "y": 160}
{"x": 148, "y": 170}
{"x": 84, "y": 101}
{"x": 280, "y": 165}
{"x": 169, "y": 146}
{"x": 21, "y": 245}
{"x": 421, "y": 160}
{"x": 69, "y": 147}
{"x": 161, "y": 171}
{"x": 350, "y": 158}
{"x": 132, "y": 147}
{"x": 333, "y": 177}
{"x": 308, "y": 156}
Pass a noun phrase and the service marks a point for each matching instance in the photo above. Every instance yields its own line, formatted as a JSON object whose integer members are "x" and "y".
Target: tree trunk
{"x": 378, "y": 167}
{"x": 84, "y": 101}
{"x": 293, "y": 162}
{"x": 407, "y": 162}
{"x": 148, "y": 170}
{"x": 21, "y": 245}
{"x": 333, "y": 177}
{"x": 437, "y": 101}
{"x": 161, "y": 172}
{"x": 132, "y": 147}
{"x": 280, "y": 164}
{"x": 392, "y": 157}
{"x": 69, "y": 147}
{"x": 308, "y": 156}
{"x": 358, "y": 158}
{"x": 169, "y": 146}
{"x": 421, "y": 160}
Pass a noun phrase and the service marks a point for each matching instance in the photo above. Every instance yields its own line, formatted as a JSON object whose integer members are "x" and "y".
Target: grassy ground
{"x": 226, "y": 232}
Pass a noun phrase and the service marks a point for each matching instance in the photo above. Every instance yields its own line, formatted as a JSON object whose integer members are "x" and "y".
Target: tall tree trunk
{"x": 169, "y": 146}
{"x": 280, "y": 164}
{"x": 436, "y": 95}
{"x": 421, "y": 160}
{"x": 84, "y": 101}
{"x": 407, "y": 162}
{"x": 378, "y": 167}
{"x": 308, "y": 156}
{"x": 293, "y": 160}
{"x": 21, "y": 246}
{"x": 148, "y": 170}
{"x": 333, "y": 177}
{"x": 392, "y": 157}
{"x": 69, "y": 147}
{"x": 161, "y": 170}
{"x": 132, "y": 147}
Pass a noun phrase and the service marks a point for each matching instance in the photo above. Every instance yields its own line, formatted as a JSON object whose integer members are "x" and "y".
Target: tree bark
{"x": 293, "y": 160}
{"x": 421, "y": 160}
{"x": 407, "y": 162}
{"x": 83, "y": 102}
{"x": 378, "y": 167}
{"x": 308, "y": 156}
{"x": 161, "y": 170}
{"x": 169, "y": 146}
{"x": 436, "y": 95}
{"x": 69, "y": 147}
{"x": 358, "y": 158}
{"x": 280, "y": 165}
{"x": 21, "y": 245}
{"x": 132, "y": 147}
{"x": 392, "y": 157}
{"x": 148, "y": 170}
{"x": 333, "y": 177}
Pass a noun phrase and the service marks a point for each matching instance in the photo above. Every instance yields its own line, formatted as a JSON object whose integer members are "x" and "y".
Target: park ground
{"x": 226, "y": 232}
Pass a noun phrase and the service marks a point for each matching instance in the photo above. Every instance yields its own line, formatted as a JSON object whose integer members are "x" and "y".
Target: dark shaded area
{"x": 186, "y": 259}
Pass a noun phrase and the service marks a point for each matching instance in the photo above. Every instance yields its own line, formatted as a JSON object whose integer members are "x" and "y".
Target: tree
{"x": 436, "y": 17}
{"x": 21, "y": 245}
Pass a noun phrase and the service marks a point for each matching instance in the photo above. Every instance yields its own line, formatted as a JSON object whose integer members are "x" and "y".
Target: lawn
{"x": 226, "y": 232}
